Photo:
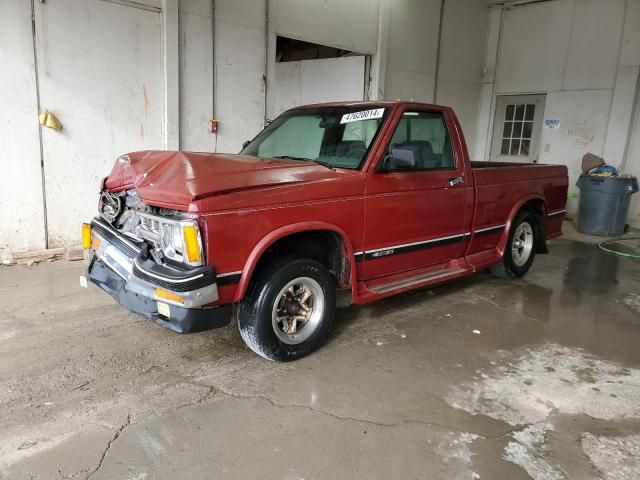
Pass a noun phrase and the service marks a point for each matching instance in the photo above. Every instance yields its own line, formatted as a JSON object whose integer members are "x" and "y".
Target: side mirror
{"x": 245, "y": 144}
{"x": 403, "y": 157}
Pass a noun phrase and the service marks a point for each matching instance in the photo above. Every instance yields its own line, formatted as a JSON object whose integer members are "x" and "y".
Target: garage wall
{"x": 633, "y": 161}
{"x": 404, "y": 32}
{"x": 100, "y": 73}
{"x": 240, "y": 59}
{"x": 412, "y": 50}
{"x": 583, "y": 55}
{"x": 464, "y": 32}
{"x": 21, "y": 208}
{"x": 400, "y": 36}
{"x": 196, "y": 77}
{"x": 238, "y": 82}
{"x": 412, "y": 55}
{"x": 349, "y": 25}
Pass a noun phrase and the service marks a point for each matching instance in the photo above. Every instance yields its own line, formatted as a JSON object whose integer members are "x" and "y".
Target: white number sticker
{"x": 364, "y": 115}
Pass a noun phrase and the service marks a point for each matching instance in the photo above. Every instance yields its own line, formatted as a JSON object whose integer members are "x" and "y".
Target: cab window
{"x": 421, "y": 142}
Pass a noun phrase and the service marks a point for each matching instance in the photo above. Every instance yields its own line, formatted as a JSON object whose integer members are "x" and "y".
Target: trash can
{"x": 604, "y": 204}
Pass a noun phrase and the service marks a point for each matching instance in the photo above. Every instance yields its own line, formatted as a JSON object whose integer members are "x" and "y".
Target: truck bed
{"x": 501, "y": 185}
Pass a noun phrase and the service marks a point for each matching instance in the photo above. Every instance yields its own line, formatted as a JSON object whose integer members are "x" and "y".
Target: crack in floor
{"x": 214, "y": 391}
{"x": 117, "y": 434}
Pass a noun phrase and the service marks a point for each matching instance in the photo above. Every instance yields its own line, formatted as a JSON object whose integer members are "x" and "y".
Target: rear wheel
{"x": 520, "y": 249}
{"x": 288, "y": 310}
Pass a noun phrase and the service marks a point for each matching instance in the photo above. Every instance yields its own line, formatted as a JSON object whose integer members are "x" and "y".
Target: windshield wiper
{"x": 289, "y": 157}
{"x": 324, "y": 164}
{"x": 319, "y": 162}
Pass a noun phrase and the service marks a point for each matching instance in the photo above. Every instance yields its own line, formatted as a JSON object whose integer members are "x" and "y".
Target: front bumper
{"x": 171, "y": 297}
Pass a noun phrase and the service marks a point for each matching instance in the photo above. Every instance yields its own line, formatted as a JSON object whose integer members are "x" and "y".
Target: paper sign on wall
{"x": 552, "y": 123}
{"x": 364, "y": 115}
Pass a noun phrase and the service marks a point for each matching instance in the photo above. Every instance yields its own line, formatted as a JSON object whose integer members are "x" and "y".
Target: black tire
{"x": 510, "y": 268}
{"x": 255, "y": 310}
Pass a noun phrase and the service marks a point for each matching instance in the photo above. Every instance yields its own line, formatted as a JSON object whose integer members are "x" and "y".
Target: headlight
{"x": 180, "y": 241}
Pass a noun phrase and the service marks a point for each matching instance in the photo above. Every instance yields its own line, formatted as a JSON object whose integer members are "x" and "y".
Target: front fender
{"x": 265, "y": 242}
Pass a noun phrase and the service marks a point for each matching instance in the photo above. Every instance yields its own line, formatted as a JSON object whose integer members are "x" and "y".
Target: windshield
{"x": 333, "y": 136}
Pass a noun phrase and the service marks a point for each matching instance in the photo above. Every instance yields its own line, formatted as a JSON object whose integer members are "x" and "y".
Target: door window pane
{"x": 508, "y": 128}
{"x": 530, "y": 110}
{"x": 517, "y": 130}
{"x": 424, "y": 137}
{"x": 509, "y": 114}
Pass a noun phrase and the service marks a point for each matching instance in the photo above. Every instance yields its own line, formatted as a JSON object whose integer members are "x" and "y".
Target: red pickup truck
{"x": 375, "y": 197}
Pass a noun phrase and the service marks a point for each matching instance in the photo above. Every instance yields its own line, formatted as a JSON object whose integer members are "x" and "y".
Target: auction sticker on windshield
{"x": 364, "y": 115}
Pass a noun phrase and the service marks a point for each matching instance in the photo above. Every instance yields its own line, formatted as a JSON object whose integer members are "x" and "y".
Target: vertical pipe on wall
{"x": 494, "y": 97}
{"x": 634, "y": 122}
{"x": 378, "y": 65}
{"x": 37, "y": 84}
{"x": 437, "y": 73}
{"x": 171, "y": 68}
{"x": 266, "y": 58}
{"x": 213, "y": 68}
{"x": 213, "y": 58}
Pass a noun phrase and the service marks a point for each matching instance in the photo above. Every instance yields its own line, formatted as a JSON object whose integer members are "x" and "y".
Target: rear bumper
{"x": 119, "y": 268}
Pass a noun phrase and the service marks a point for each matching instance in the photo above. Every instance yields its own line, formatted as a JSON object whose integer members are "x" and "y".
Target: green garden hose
{"x": 603, "y": 246}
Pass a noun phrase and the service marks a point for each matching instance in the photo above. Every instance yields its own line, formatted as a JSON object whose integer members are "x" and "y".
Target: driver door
{"x": 416, "y": 214}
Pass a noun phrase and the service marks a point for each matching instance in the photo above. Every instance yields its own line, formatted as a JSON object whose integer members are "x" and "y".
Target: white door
{"x": 100, "y": 74}
{"x": 315, "y": 81}
{"x": 517, "y": 127}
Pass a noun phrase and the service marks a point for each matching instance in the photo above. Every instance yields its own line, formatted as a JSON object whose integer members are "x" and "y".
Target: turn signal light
{"x": 167, "y": 295}
{"x": 191, "y": 244}
{"x": 86, "y": 236}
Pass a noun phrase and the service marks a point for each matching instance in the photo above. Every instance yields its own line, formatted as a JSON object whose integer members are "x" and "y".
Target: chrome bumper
{"x": 142, "y": 277}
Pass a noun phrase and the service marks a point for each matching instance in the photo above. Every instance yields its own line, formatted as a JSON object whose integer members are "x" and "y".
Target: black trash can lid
{"x": 615, "y": 185}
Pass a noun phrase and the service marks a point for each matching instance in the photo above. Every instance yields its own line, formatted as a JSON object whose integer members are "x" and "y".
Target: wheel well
{"x": 537, "y": 207}
{"x": 323, "y": 246}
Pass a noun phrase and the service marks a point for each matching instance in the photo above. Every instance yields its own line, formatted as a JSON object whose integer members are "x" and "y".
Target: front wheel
{"x": 288, "y": 310}
{"x": 520, "y": 249}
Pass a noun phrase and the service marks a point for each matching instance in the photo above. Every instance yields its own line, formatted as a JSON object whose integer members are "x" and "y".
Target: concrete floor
{"x": 478, "y": 379}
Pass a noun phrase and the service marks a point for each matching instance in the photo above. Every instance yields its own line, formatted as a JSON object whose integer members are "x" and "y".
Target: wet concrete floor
{"x": 480, "y": 379}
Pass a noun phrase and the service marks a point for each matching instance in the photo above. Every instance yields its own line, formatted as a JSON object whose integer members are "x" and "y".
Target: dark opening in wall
{"x": 290, "y": 50}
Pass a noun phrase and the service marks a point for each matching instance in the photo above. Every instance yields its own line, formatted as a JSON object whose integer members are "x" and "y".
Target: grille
{"x": 149, "y": 228}
{"x": 150, "y": 224}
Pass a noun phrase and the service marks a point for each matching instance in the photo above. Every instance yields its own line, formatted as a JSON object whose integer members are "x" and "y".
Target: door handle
{"x": 455, "y": 181}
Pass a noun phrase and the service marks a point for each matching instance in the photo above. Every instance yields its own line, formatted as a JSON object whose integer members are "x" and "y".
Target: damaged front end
{"x": 151, "y": 260}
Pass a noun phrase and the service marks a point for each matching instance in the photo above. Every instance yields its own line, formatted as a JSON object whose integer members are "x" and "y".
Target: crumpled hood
{"x": 180, "y": 178}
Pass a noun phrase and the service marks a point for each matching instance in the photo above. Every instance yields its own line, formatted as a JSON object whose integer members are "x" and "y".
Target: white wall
{"x": 349, "y": 25}
{"x": 100, "y": 72}
{"x": 196, "y": 75}
{"x": 584, "y": 55}
{"x": 412, "y": 54}
{"x": 320, "y": 80}
{"x": 412, "y": 50}
{"x": 464, "y": 31}
{"x": 21, "y": 208}
{"x": 401, "y": 37}
{"x": 633, "y": 165}
{"x": 238, "y": 82}
{"x": 240, "y": 58}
